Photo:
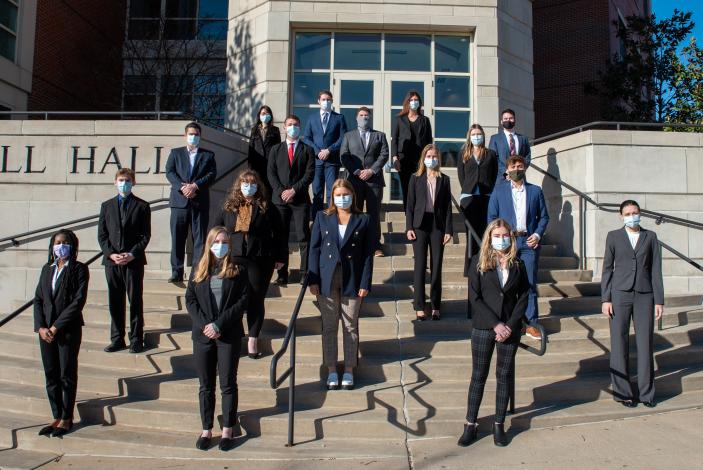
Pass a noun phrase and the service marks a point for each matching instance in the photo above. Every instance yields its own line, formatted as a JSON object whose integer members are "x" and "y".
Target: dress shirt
{"x": 503, "y": 274}
{"x": 294, "y": 142}
{"x": 507, "y": 139}
{"x": 342, "y": 231}
{"x": 191, "y": 155}
{"x": 520, "y": 206}
{"x": 431, "y": 186}
{"x": 322, "y": 120}
{"x": 633, "y": 236}
{"x": 57, "y": 274}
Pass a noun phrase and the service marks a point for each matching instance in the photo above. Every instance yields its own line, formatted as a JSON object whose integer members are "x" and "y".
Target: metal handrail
{"x": 47, "y": 114}
{"x": 618, "y": 125}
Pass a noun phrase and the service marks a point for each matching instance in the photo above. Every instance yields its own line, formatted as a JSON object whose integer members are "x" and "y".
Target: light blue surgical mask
{"x": 293, "y": 131}
{"x": 414, "y": 104}
{"x": 344, "y": 201}
{"x": 500, "y": 243}
{"x": 632, "y": 221}
{"x": 249, "y": 189}
{"x": 193, "y": 140}
{"x": 431, "y": 163}
{"x": 62, "y": 251}
{"x": 124, "y": 188}
{"x": 265, "y": 118}
{"x": 219, "y": 249}
{"x": 326, "y": 105}
{"x": 477, "y": 139}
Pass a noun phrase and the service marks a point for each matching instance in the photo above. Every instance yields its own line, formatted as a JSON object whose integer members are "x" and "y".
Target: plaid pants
{"x": 331, "y": 309}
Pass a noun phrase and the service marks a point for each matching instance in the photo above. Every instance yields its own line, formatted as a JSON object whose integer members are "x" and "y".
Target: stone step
{"x": 21, "y": 459}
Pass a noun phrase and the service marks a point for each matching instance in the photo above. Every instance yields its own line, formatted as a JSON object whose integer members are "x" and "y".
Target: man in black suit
{"x": 124, "y": 230}
{"x": 508, "y": 143}
{"x": 190, "y": 170}
{"x": 291, "y": 168}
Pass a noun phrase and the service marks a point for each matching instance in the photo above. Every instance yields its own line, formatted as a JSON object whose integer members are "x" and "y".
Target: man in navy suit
{"x": 190, "y": 170}
{"x": 508, "y": 143}
{"x": 522, "y": 205}
{"x": 324, "y": 133}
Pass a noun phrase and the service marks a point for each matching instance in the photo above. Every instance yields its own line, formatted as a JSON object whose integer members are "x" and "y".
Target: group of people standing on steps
{"x": 235, "y": 255}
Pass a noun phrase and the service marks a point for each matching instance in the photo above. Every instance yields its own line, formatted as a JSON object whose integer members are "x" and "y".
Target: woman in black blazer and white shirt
{"x": 498, "y": 294}
{"x": 58, "y": 318}
{"x": 428, "y": 220}
{"x": 264, "y": 135}
{"x": 412, "y": 133}
{"x": 216, "y": 298}
{"x": 477, "y": 169}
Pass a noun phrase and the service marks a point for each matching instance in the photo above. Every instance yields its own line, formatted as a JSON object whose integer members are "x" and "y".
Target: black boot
{"x": 499, "y": 437}
{"x": 469, "y": 436}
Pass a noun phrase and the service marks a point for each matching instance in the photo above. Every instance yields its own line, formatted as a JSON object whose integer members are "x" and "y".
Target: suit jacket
{"x": 203, "y": 310}
{"x": 64, "y": 308}
{"x": 472, "y": 174}
{"x": 128, "y": 235}
{"x": 417, "y": 199}
{"x": 330, "y": 138}
{"x": 492, "y": 304}
{"x": 266, "y": 236}
{"x": 284, "y": 176}
{"x": 499, "y": 144}
{"x": 355, "y": 157}
{"x": 501, "y": 206}
{"x": 626, "y": 269}
{"x": 403, "y": 135}
{"x": 354, "y": 253}
{"x": 178, "y": 172}
{"x": 259, "y": 148}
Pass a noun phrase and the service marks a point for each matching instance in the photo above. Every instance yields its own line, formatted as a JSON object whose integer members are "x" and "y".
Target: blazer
{"x": 178, "y": 172}
{"x": 128, "y": 235}
{"x": 499, "y": 144}
{"x": 259, "y": 148}
{"x": 202, "y": 307}
{"x": 330, "y": 139}
{"x": 355, "y": 157}
{"x": 492, "y": 304}
{"x": 284, "y": 176}
{"x": 625, "y": 269}
{"x": 354, "y": 253}
{"x": 417, "y": 199}
{"x": 501, "y": 206}
{"x": 64, "y": 308}
{"x": 472, "y": 174}
{"x": 266, "y": 236}
{"x": 402, "y": 135}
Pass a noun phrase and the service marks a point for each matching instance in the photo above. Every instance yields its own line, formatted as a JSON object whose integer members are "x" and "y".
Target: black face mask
{"x": 508, "y": 124}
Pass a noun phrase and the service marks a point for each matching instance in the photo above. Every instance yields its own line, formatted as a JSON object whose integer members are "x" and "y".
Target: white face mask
{"x": 265, "y": 118}
{"x": 632, "y": 221}
{"x": 431, "y": 163}
{"x": 219, "y": 249}
{"x": 248, "y": 189}
{"x": 326, "y": 105}
{"x": 477, "y": 139}
{"x": 500, "y": 243}
{"x": 124, "y": 188}
{"x": 414, "y": 104}
{"x": 344, "y": 201}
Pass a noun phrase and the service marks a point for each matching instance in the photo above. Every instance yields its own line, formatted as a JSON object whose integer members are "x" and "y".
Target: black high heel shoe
{"x": 203, "y": 443}
{"x": 499, "y": 437}
{"x": 46, "y": 430}
{"x": 59, "y": 431}
{"x": 469, "y": 435}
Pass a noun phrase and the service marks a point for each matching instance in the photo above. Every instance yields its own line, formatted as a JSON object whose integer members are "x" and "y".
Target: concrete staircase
{"x": 411, "y": 382}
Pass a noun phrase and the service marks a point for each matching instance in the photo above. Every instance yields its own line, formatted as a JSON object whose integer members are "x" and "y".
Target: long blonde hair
{"x": 421, "y": 168}
{"x": 228, "y": 270}
{"x": 487, "y": 258}
{"x": 469, "y": 146}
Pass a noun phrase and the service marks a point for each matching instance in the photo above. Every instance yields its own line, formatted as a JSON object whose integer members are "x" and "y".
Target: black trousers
{"x": 428, "y": 236}
{"x": 372, "y": 197}
{"x": 210, "y": 358}
{"x": 482, "y": 344}
{"x": 259, "y": 270}
{"x": 181, "y": 218}
{"x": 60, "y": 359}
{"x": 476, "y": 211}
{"x": 300, "y": 215}
{"x": 405, "y": 174}
{"x": 127, "y": 279}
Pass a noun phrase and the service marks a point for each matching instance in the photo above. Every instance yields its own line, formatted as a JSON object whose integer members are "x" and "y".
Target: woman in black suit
{"x": 428, "y": 220}
{"x": 412, "y": 133}
{"x": 257, "y": 240}
{"x": 216, "y": 298}
{"x": 264, "y": 135}
{"x": 477, "y": 169}
{"x": 58, "y": 318}
{"x": 498, "y": 294}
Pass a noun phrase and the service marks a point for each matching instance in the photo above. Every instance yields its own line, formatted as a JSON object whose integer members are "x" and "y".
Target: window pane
{"x": 8, "y": 15}
{"x": 312, "y": 51}
{"x": 179, "y": 29}
{"x": 180, "y": 8}
{"x": 7, "y": 45}
{"x": 139, "y": 84}
{"x": 143, "y": 29}
{"x": 451, "y": 124}
{"x": 210, "y": 85}
{"x": 176, "y": 102}
{"x": 213, "y": 8}
{"x": 139, "y": 103}
{"x": 215, "y": 30}
{"x": 304, "y": 113}
{"x": 359, "y": 92}
{"x": 177, "y": 85}
{"x": 145, "y": 9}
{"x": 400, "y": 89}
{"x": 357, "y": 51}
{"x": 452, "y": 91}
{"x": 308, "y": 85}
{"x": 450, "y": 153}
{"x": 451, "y": 54}
{"x": 408, "y": 53}
{"x": 211, "y": 108}
{"x": 350, "y": 117}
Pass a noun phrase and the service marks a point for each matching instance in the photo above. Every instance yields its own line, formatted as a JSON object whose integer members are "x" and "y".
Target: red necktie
{"x": 512, "y": 145}
{"x": 290, "y": 153}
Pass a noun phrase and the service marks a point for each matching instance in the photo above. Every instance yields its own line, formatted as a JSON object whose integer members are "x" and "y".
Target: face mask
{"x": 248, "y": 189}
{"x": 516, "y": 175}
{"x": 362, "y": 122}
{"x": 293, "y": 131}
{"x": 124, "y": 187}
{"x": 508, "y": 125}
{"x": 430, "y": 163}
{"x": 193, "y": 140}
{"x": 62, "y": 251}
{"x": 265, "y": 118}
{"x": 632, "y": 221}
{"x": 500, "y": 243}
{"x": 343, "y": 202}
{"x": 414, "y": 104}
{"x": 477, "y": 139}
{"x": 326, "y": 105}
{"x": 219, "y": 249}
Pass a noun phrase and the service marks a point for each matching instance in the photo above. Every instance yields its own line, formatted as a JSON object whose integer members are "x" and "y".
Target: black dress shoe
{"x": 282, "y": 281}
{"x": 628, "y": 403}
{"x": 469, "y": 436}
{"x": 203, "y": 443}
{"x": 257, "y": 355}
{"x": 499, "y": 437}
{"x": 226, "y": 443}
{"x": 58, "y": 432}
{"x": 114, "y": 347}
{"x": 176, "y": 277}
{"x": 46, "y": 430}
{"x": 649, "y": 404}
{"x": 136, "y": 347}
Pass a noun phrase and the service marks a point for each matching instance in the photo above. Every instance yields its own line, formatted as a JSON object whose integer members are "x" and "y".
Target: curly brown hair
{"x": 235, "y": 199}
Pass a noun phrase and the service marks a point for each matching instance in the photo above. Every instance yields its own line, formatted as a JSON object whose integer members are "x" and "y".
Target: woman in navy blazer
{"x": 58, "y": 318}
{"x": 339, "y": 274}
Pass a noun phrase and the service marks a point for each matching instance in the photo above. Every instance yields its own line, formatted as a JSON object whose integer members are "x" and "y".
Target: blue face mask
{"x": 632, "y": 221}
{"x": 193, "y": 140}
{"x": 265, "y": 118}
{"x": 249, "y": 189}
{"x": 343, "y": 202}
{"x": 124, "y": 187}
{"x": 477, "y": 139}
{"x": 293, "y": 131}
{"x": 414, "y": 104}
{"x": 62, "y": 251}
{"x": 500, "y": 243}
{"x": 326, "y": 105}
{"x": 430, "y": 163}
{"x": 219, "y": 249}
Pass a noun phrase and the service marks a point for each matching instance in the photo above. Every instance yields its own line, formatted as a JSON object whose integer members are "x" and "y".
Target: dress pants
{"x": 476, "y": 212}
{"x": 259, "y": 271}
{"x": 482, "y": 344}
{"x": 60, "y": 359}
{"x": 331, "y": 309}
{"x": 639, "y": 307}
{"x": 530, "y": 257}
{"x": 428, "y": 235}
{"x": 372, "y": 197}
{"x": 210, "y": 358}
{"x": 181, "y": 218}
{"x": 300, "y": 214}
{"x": 404, "y": 174}
{"x": 127, "y": 279}
{"x": 325, "y": 175}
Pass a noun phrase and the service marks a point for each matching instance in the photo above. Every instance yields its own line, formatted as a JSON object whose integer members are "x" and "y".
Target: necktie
{"x": 291, "y": 146}
{"x": 325, "y": 119}
{"x": 512, "y": 144}
{"x": 364, "y": 139}
{"x": 123, "y": 208}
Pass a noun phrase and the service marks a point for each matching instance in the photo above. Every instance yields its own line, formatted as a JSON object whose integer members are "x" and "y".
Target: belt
{"x": 520, "y": 234}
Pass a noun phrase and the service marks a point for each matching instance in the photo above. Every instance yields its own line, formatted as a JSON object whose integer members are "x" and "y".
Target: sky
{"x": 664, "y": 9}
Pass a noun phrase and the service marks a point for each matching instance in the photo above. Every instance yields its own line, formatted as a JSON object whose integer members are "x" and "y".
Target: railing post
{"x": 291, "y": 390}
{"x": 660, "y": 322}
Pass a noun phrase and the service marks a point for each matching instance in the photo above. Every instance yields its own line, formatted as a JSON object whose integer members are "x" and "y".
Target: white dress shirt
{"x": 503, "y": 274}
{"x": 57, "y": 274}
{"x": 507, "y": 139}
{"x": 633, "y": 236}
{"x": 365, "y": 134}
{"x": 322, "y": 120}
{"x": 520, "y": 206}
{"x": 342, "y": 231}
{"x": 294, "y": 142}
{"x": 191, "y": 155}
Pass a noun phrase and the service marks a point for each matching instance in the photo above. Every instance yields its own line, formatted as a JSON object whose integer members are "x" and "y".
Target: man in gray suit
{"x": 363, "y": 153}
{"x": 632, "y": 287}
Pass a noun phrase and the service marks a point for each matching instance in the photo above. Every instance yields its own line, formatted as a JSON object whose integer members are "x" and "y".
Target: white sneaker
{"x": 332, "y": 381}
{"x": 347, "y": 381}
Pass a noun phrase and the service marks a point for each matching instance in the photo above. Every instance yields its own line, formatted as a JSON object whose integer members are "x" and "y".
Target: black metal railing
{"x": 46, "y": 115}
{"x": 616, "y": 125}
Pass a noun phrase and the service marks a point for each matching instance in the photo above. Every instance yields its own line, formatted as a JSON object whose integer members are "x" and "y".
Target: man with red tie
{"x": 507, "y": 143}
{"x": 291, "y": 168}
